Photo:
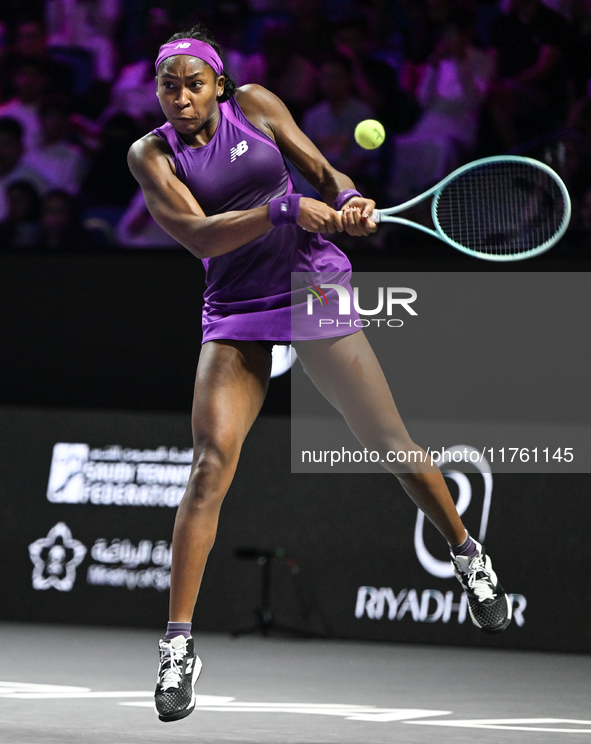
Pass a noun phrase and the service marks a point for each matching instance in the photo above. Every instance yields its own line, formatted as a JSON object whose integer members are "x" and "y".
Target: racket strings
{"x": 502, "y": 208}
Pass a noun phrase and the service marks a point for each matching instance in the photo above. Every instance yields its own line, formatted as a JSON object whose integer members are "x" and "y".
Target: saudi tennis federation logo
{"x": 55, "y": 559}
{"x": 66, "y": 476}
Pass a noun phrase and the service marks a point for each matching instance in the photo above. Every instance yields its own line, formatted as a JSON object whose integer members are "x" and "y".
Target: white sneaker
{"x": 178, "y": 671}
{"x": 489, "y": 606}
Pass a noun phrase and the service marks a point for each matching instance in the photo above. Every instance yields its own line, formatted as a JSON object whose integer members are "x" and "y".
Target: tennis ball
{"x": 369, "y": 134}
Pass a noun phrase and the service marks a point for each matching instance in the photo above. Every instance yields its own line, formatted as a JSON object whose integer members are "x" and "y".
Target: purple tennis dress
{"x": 248, "y": 293}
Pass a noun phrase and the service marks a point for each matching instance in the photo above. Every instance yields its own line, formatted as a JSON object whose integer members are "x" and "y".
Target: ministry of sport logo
{"x": 240, "y": 149}
{"x": 55, "y": 559}
{"x": 115, "y": 562}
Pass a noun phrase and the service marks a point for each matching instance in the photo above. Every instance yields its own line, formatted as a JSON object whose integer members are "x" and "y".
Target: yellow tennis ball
{"x": 369, "y": 134}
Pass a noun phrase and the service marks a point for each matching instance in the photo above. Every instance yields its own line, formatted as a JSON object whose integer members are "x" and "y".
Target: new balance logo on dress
{"x": 240, "y": 149}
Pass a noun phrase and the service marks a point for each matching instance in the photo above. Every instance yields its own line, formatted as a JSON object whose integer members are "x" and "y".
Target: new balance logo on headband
{"x": 183, "y": 45}
{"x": 240, "y": 149}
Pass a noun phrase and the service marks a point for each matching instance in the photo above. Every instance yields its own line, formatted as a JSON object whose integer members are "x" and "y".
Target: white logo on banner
{"x": 121, "y": 563}
{"x": 443, "y": 569}
{"x": 66, "y": 479}
{"x": 55, "y": 559}
{"x": 81, "y": 474}
{"x": 116, "y": 562}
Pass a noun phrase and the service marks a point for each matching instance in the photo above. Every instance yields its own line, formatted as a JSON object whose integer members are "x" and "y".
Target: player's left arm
{"x": 269, "y": 114}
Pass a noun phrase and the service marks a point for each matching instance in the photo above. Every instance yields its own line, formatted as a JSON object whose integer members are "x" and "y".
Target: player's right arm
{"x": 176, "y": 210}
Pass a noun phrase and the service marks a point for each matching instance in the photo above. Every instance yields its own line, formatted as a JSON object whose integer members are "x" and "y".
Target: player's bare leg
{"x": 346, "y": 371}
{"x": 230, "y": 386}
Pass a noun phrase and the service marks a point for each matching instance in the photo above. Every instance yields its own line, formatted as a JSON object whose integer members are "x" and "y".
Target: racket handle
{"x": 375, "y": 215}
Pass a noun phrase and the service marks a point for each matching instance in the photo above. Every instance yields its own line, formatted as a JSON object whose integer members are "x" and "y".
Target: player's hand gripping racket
{"x": 502, "y": 208}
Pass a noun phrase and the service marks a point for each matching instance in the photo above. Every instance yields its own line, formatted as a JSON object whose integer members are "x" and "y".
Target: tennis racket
{"x": 502, "y": 208}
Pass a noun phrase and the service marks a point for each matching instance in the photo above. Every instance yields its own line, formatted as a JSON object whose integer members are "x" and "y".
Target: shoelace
{"x": 480, "y": 580}
{"x": 172, "y": 676}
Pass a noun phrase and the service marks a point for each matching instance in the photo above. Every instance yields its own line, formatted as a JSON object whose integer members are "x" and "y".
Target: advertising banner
{"x": 88, "y": 504}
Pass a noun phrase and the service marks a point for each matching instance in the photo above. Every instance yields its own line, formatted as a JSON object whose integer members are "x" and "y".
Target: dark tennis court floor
{"x": 75, "y": 685}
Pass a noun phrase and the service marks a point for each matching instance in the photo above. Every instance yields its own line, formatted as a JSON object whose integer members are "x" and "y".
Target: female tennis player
{"x": 214, "y": 177}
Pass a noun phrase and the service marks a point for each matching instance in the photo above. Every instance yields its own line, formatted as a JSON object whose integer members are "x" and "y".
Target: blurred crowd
{"x": 451, "y": 80}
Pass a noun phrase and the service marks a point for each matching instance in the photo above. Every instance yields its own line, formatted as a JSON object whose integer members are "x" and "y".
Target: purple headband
{"x": 194, "y": 48}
